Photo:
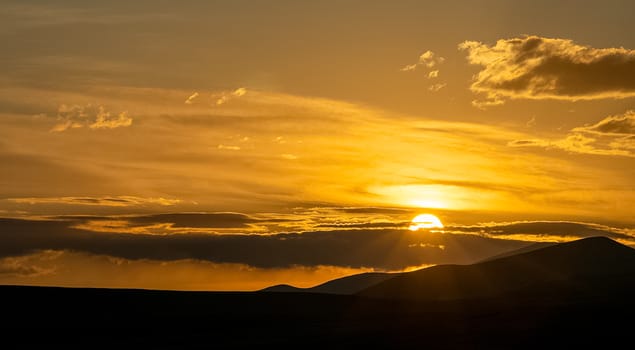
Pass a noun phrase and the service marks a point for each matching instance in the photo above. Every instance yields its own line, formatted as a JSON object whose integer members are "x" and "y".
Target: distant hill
{"x": 356, "y": 283}
{"x": 345, "y": 286}
{"x": 583, "y": 267}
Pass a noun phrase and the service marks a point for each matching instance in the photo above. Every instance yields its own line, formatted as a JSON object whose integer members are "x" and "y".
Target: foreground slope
{"x": 583, "y": 267}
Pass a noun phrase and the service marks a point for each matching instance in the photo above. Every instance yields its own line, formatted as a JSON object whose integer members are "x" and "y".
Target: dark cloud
{"x": 524, "y": 143}
{"x": 379, "y": 248}
{"x": 536, "y": 68}
{"x": 200, "y": 220}
{"x": 546, "y": 229}
{"x": 368, "y": 225}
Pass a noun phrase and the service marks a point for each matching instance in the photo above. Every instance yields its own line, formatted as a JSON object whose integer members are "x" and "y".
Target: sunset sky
{"x": 233, "y": 145}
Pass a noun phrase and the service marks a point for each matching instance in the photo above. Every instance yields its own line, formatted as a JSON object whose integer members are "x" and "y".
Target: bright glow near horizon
{"x": 425, "y": 221}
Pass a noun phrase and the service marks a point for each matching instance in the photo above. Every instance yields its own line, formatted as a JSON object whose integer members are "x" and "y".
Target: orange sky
{"x": 293, "y": 142}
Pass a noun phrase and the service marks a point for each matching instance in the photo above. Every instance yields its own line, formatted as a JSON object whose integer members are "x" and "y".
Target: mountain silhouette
{"x": 567, "y": 295}
{"x": 345, "y": 285}
{"x": 584, "y": 267}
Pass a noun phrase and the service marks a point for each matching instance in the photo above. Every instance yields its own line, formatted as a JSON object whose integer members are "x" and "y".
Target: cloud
{"x": 545, "y": 231}
{"x": 105, "y": 121}
{"x": 76, "y": 269}
{"x": 386, "y": 249}
{"x": 191, "y": 99}
{"x": 612, "y": 136}
{"x": 289, "y": 156}
{"x": 620, "y": 125}
{"x": 115, "y": 201}
{"x": 229, "y": 147}
{"x": 224, "y": 97}
{"x": 534, "y": 67}
{"x": 27, "y": 266}
{"x": 436, "y": 87}
{"x": 93, "y": 117}
{"x": 427, "y": 59}
{"x": 184, "y": 223}
{"x": 175, "y": 147}
{"x": 377, "y": 248}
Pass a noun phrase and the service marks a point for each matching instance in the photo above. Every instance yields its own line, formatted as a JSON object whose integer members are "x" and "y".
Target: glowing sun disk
{"x": 425, "y": 221}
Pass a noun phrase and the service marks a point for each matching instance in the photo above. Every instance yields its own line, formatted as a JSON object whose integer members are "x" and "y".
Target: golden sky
{"x": 232, "y": 145}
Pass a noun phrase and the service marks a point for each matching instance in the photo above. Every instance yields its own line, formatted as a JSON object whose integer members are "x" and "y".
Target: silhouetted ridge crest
{"x": 345, "y": 285}
{"x": 583, "y": 266}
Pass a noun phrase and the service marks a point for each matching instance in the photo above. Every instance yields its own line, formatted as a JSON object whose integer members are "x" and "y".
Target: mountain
{"x": 585, "y": 267}
{"x": 525, "y": 249}
{"x": 567, "y": 295}
{"x": 346, "y": 285}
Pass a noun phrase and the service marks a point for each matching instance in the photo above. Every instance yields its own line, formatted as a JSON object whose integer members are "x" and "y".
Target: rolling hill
{"x": 345, "y": 285}
{"x": 589, "y": 266}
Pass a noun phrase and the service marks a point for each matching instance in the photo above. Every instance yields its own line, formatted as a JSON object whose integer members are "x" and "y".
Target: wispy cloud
{"x": 534, "y": 67}
{"x": 229, "y": 147}
{"x": 187, "y": 150}
{"x": 612, "y": 136}
{"x": 427, "y": 59}
{"x": 27, "y": 266}
{"x": 93, "y": 117}
{"x": 436, "y": 87}
{"x": 224, "y": 97}
{"x": 116, "y": 201}
{"x": 545, "y": 231}
{"x": 191, "y": 98}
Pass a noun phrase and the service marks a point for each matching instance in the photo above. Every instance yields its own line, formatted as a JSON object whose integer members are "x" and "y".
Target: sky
{"x": 234, "y": 145}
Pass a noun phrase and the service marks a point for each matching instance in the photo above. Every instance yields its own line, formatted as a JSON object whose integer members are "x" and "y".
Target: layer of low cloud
{"x": 611, "y": 136}
{"x": 545, "y": 231}
{"x": 379, "y": 248}
{"x": 534, "y": 67}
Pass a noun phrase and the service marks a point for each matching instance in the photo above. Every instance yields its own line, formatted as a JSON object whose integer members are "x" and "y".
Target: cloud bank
{"x": 377, "y": 248}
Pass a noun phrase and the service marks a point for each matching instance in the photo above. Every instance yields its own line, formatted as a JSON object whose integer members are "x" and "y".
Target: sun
{"x": 425, "y": 221}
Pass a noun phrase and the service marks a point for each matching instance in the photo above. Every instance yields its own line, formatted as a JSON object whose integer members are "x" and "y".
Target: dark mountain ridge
{"x": 580, "y": 267}
{"x": 344, "y": 286}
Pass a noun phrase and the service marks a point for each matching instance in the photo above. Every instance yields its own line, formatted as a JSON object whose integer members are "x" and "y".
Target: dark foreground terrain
{"x": 596, "y": 308}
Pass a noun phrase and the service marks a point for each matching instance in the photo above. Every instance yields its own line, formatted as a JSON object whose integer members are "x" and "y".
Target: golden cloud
{"x": 534, "y": 67}
{"x": 613, "y": 136}
{"x": 93, "y": 117}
